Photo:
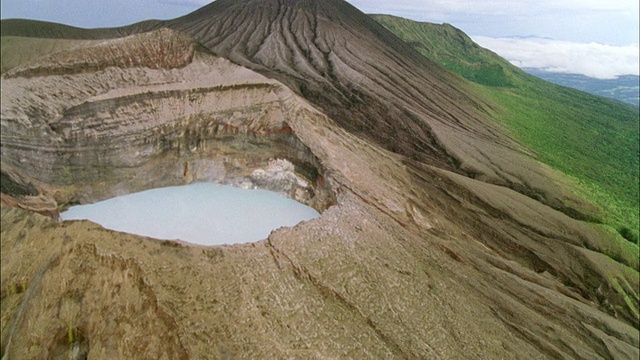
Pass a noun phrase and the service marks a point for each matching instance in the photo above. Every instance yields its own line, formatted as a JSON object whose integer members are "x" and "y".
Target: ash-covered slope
{"x": 411, "y": 258}
{"x": 372, "y": 84}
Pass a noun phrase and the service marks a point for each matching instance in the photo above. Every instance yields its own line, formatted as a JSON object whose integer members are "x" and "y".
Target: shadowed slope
{"x": 320, "y": 50}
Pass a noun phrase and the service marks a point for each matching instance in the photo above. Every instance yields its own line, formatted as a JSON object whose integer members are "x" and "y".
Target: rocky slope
{"x": 424, "y": 248}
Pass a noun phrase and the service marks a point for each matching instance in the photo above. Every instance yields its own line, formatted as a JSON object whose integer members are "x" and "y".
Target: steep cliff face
{"x": 411, "y": 258}
{"x": 145, "y": 111}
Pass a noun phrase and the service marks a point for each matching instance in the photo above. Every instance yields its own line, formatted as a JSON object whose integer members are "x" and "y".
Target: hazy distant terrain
{"x": 623, "y": 88}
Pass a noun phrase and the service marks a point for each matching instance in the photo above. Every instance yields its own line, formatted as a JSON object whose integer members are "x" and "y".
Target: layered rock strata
{"x": 125, "y": 125}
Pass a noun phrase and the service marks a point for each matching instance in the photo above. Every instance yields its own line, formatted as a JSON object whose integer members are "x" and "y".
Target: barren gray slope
{"x": 411, "y": 261}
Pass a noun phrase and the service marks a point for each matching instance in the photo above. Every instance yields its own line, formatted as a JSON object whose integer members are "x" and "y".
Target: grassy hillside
{"x": 593, "y": 140}
{"x": 453, "y": 49}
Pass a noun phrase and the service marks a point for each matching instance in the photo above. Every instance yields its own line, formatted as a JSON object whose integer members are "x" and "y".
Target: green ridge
{"x": 452, "y": 49}
{"x": 593, "y": 140}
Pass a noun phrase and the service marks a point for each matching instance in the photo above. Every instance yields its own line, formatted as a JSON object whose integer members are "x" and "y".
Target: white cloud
{"x": 597, "y": 4}
{"x": 590, "y": 59}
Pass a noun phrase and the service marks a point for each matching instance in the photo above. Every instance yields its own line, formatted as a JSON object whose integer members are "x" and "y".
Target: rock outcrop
{"x": 414, "y": 255}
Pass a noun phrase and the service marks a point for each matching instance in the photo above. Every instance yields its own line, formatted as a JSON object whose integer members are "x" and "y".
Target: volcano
{"x": 441, "y": 234}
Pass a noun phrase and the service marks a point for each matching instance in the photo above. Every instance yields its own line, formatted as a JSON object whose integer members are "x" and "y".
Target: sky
{"x": 597, "y": 38}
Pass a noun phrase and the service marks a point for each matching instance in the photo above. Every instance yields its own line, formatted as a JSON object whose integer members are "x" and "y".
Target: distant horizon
{"x": 602, "y": 41}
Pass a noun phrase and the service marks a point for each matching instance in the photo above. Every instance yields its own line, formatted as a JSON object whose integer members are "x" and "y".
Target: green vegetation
{"x": 593, "y": 140}
{"x": 451, "y": 48}
{"x": 628, "y": 234}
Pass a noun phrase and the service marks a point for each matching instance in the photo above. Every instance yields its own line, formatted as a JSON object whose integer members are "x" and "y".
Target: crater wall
{"x": 111, "y": 130}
